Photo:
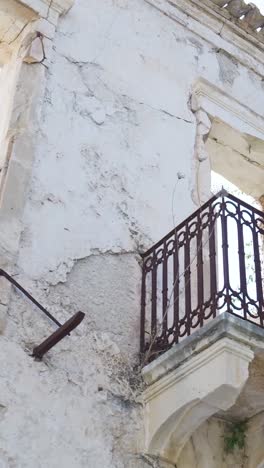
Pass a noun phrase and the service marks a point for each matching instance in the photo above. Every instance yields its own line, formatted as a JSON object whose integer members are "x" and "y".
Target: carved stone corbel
{"x": 201, "y": 190}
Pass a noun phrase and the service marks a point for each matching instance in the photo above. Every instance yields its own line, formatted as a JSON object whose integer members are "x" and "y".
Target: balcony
{"x": 211, "y": 263}
{"x": 202, "y": 334}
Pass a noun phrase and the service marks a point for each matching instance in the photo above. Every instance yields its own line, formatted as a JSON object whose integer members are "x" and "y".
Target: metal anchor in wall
{"x": 60, "y": 333}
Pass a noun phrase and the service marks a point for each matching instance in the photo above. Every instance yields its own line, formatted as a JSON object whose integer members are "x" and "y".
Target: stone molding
{"x": 226, "y": 345}
{"x": 218, "y": 103}
{"x": 216, "y": 26}
{"x": 225, "y": 325}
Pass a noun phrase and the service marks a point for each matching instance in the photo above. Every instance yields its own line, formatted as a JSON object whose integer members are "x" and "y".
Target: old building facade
{"x": 114, "y": 114}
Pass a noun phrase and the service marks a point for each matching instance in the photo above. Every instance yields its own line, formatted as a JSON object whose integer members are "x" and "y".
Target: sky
{"x": 259, "y": 3}
{"x": 217, "y": 182}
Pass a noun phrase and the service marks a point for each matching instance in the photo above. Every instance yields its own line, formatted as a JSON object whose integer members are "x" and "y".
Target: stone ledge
{"x": 223, "y": 326}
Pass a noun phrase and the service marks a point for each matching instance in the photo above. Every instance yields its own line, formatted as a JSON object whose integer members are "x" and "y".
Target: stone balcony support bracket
{"x": 202, "y": 376}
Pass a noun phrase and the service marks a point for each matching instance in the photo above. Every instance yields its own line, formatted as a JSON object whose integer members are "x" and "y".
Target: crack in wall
{"x": 49, "y": 8}
{"x": 174, "y": 116}
{"x": 120, "y": 97}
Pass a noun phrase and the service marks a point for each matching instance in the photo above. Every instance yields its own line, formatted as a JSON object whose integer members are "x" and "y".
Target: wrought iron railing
{"x": 211, "y": 263}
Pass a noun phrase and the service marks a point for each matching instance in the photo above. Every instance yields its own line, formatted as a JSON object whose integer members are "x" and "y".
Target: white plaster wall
{"x": 117, "y": 131}
{"x": 115, "y": 142}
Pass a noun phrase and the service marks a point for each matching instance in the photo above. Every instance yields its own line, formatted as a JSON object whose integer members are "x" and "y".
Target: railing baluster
{"x": 242, "y": 264}
{"x": 212, "y": 259}
{"x": 165, "y": 292}
{"x": 258, "y": 275}
{"x": 154, "y": 298}
{"x": 176, "y": 288}
{"x": 187, "y": 281}
{"x": 225, "y": 247}
{"x": 143, "y": 310}
{"x": 200, "y": 272}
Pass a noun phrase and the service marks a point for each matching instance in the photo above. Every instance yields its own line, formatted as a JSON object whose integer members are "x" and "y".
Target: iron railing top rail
{"x": 221, "y": 193}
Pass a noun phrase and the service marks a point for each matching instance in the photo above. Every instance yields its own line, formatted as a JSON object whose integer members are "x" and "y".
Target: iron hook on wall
{"x": 60, "y": 333}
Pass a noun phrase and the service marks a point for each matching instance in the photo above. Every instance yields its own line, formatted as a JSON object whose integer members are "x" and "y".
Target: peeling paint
{"x": 115, "y": 145}
{"x": 228, "y": 68}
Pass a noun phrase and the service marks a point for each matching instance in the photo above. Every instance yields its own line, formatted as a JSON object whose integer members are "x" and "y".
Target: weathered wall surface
{"x": 117, "y": 135}
{"x": 206, "y": 448}
{"x": 113, "y": 172}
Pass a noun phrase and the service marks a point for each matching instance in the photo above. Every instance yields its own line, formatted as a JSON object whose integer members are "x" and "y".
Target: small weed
{"x": 235, "y": 436}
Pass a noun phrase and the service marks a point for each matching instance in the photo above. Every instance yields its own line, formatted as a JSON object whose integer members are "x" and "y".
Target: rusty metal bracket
{"x": 60, "y": 333}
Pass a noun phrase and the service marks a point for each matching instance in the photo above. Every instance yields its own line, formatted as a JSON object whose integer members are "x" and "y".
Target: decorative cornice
{"x": 217, "y": 26}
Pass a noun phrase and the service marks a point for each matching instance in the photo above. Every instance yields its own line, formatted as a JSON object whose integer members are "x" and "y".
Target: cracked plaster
{"x": 112, "y": 139}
